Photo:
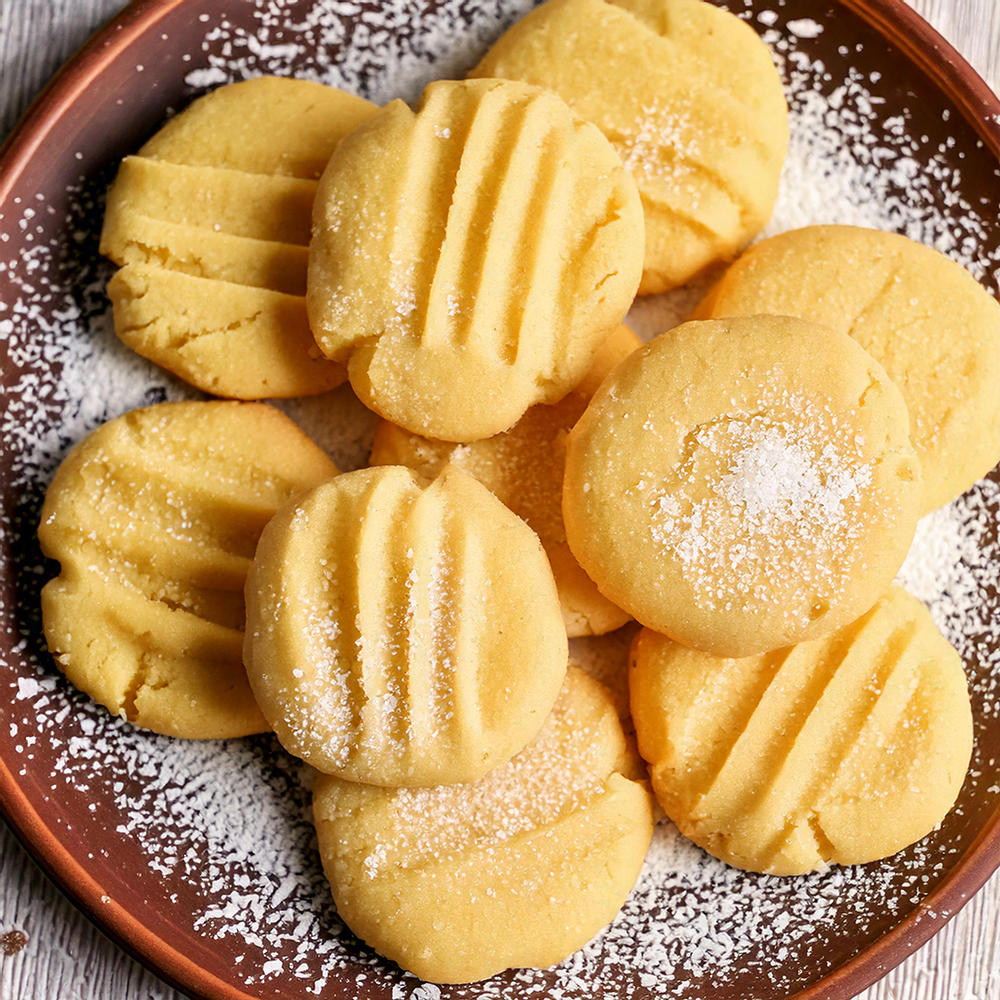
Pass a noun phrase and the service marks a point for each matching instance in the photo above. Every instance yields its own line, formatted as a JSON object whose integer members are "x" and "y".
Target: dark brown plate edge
{"x": 948, "y": 71}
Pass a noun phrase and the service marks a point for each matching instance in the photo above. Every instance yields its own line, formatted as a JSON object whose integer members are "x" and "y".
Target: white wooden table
{"x": 66, "y": 957}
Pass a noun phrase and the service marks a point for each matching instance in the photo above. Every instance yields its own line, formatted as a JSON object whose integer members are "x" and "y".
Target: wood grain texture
{"x": 66, "y": 957}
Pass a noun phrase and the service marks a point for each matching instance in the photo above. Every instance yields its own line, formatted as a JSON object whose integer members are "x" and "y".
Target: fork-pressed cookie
{"x": 523, "y": 467}
{"x": 841, "y": 750}
{"x": 153, "y": 519}
{"x": 469, "y": 258}
{"x": 401, "y": 631}
{"x": 691, "y": 100}
{"x": 516, "y": 870}
{"x": 211, "y": 222}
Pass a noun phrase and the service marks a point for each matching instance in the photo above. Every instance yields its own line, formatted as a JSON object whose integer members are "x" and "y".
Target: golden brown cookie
{"x": 211, "y": 221}
{"x": 153, "y": 519}
{"x": 523, "y": 467}
{"x": 469, "y": 258}
{"x": 519, "y": 869}
{"x": 690, "y": 98}
{"x": 403, "y": 632}
{"x": 741, "y": 485}
{"x": 841, "y": 750}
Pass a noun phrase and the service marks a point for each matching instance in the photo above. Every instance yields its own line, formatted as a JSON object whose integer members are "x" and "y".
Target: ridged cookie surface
{"x": 744, "y": 484}
{"x": 211, "y": 221}
{"x": 401, "y": 632}
{"x": 517, "y": 870}
{"x": 924, "y": 317}
{"x": 154, "y": 518}
{"x": 844, "y": 749}
{"x": 690, "y": 98}
{"x": 469, "y": 258}
{"x": 523, "y": 467}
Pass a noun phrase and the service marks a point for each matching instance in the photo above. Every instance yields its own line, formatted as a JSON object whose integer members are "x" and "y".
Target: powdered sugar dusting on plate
{"x": 232, "y": 818}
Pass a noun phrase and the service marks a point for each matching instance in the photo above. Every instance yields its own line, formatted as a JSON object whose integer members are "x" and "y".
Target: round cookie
{"x": 523, "y": 467}
{"x": 519, "y": 869}
{"x": 690, "y": 98}
{"x": 469, "y": 258}
{"x": 211, "y": 222}
{"x": 154, "y": 518}
{"x": 924, "y": 317}
{"x": 741, "y": 485}
{"x": 843, "y": 749}
{"x": 401, "y": 632}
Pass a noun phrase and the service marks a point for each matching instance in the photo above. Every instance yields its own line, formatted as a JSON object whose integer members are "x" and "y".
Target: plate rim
{"x": 937, "y": 59}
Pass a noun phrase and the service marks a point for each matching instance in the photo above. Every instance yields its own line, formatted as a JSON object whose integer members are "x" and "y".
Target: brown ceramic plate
{"x": 199, "y": 858}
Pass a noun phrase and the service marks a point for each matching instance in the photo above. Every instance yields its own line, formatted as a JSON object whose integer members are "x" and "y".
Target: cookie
{"x": 211, "y": 222}
{"x": 153, "y": 519}
{"x": 843, "y": 749}
{"x": 690, "y": 98}
{"x": 519, "y": 869}
{"x": 605, "y": 658}
{"x": 924, "y": 317}
{"x": 741, "y": 485}
{"x": 470, "y": 257}
{"x": 523, "y": 467}
{"x": 401, "y": 632}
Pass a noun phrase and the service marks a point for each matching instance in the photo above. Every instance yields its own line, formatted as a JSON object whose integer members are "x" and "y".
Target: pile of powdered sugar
{"x": 773, "y": 504}
{"x": 232, "y": 819}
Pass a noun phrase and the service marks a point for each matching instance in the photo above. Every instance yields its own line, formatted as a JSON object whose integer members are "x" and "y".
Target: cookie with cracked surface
{"x": 153, "y": 519}
{"x": 690, "y": 98}
{"x": 840, "y": 750}
{"x": 741, "y": 485}
{"x": 523, "y": 467}
{"x": 517, "y": 870}
{"x": 211, "y": 224}
{"x": 924, "y": 317}
{"x": 469, "y": 258}
{"x": 403, "y": 632}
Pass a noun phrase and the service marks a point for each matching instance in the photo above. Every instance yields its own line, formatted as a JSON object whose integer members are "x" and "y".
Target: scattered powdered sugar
{"x": 663, "y": 143}
{"x": 558, "y": 773}
{"x": 769, "y": 510}
{"x": 230, "y": 821}
{"x": 805, "y": 27}
{"x": 954, "y": 567}
{"x": 384, "y": 53}
{"x": 775, "y": 478}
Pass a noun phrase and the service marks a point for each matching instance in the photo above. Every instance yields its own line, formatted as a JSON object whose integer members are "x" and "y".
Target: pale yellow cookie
{"x": 401, "y": 632}
{"x": 268, "y": 125}
{"x": 740, "y": 485}
{"x": 605, "y": 658}
{"x": 154, "y": 518}
{"x": 924, "y": 317}
{"x": 469, "y": 258}
{"x": 523, "y": 467}
{"x": 844, "y": 749}
{"x": 690, "y": 98}
{"x": 211, "y": 221}
{"x": 519, "y": 869}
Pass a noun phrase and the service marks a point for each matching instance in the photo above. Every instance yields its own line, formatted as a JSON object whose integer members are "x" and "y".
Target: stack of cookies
{"x": 745, "y": 486}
